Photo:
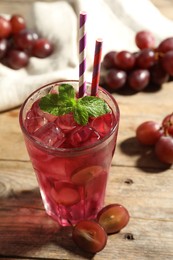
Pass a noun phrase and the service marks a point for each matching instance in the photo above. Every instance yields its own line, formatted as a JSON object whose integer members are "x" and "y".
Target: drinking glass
{"x": 72, "y": 181}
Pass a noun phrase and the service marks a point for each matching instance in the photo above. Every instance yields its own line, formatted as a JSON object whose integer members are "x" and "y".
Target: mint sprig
{"x": 65, "y": 102}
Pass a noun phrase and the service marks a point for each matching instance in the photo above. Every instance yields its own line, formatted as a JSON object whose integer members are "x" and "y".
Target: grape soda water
{"x": 71, "y": 161}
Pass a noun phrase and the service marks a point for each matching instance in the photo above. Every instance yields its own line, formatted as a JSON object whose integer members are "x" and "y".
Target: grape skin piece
{"x": 149, "y": 132}
{"x": 164, "y": 149}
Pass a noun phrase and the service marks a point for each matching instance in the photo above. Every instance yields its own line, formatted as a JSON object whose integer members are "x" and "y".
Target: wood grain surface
{"x": 137, "y": 180}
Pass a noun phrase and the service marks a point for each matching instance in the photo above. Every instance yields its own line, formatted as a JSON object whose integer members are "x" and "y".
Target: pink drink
{"x": 71, "y": 161}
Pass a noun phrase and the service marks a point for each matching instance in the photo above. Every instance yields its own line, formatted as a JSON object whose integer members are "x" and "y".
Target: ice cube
{"x": 49, "y": 117}
{"x": 34, "y": 122}
{"x": 50, "y": 134}
{"x": 102, "y": 124}
{"x": 82, "y": 136}
{"x": 35, "y": 118}
{"x": 36, "y": 109}
{"x": 44, "y": 115}
{"x": 66, "y": 122}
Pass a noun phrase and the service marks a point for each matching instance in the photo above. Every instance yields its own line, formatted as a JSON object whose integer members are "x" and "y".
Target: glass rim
{"x": 57, "y": 150}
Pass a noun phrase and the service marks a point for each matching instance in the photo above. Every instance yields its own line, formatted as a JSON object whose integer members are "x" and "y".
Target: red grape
{"x": 149, "y": 132}
{"x": 89, "y": 236}
{"x": 17, "y": 43}
{"x": 109, "y": 60}
{"x": 42, "y": 48}
{"x": 5, "y": 28}
{"x": 83, "y": 176}
{"x": 113, "y": 218}
{"x": 34, "y": 35}
{"x": 164, "y": 149}
{"x": 124, "y": 60}
{"x": 3, "y": 47}
{"x": 158, "y": 74}
{"x": 167, "y": 124}
{"x": 145, "y": 39}
{"x": 17, "y": 23}
{"x": 166, "y": 45}
{"x": 16, "y": 59}
{"x": 167, "y": 62}
{"x": 145, "y": 59}
{"x": 139, "y": 79}
{"x": 65, "y": 193}
{"x": 24, "y": 40}
{"x": 115, "y": 78}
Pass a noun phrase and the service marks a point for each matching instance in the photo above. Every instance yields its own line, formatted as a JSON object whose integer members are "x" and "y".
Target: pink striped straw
{"x": 82, "y": 53}
{"x": 96, "y": 67}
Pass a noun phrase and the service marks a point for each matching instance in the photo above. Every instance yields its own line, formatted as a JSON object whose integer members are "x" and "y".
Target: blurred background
{"x": 116, "y": 21}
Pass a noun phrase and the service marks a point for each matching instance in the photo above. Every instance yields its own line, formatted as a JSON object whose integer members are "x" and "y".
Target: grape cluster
{"x": 91, "y": 236}
{"x": 160, "y": 135}
{"x": 150, "y": 65}
{"x": 18, "y": 43}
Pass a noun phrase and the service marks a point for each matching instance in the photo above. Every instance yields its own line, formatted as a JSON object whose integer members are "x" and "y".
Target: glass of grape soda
{"x": 70, "y": 142}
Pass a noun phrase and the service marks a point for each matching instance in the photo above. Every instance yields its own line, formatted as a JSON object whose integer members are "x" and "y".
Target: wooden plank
{"x": 43, "y": 240}
{"x": 12, "y": 143}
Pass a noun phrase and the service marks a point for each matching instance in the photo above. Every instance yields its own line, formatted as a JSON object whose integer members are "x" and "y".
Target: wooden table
{"x": 137, "y": 180}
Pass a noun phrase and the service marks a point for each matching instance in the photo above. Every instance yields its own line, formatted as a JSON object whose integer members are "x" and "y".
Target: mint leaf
{"x": 66, "y": 92}
{"x": 59, "y": 104}
{"x": 65, "y": 102}
{"x": 95, "y": 106}
{"x": 81, "y": 115}
{"x": 49, "y": 103}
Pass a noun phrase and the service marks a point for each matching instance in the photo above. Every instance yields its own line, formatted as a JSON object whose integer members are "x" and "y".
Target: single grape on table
{"x": 113, "y": 218}
{"x": 160, "y": 135}
{"x": 149, "y": 132}
{"x": 89, "y": 236}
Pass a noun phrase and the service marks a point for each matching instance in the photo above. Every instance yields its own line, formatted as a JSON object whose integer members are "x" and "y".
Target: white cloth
{"x": 116, "y": 21}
